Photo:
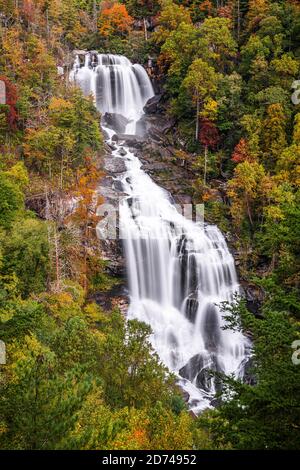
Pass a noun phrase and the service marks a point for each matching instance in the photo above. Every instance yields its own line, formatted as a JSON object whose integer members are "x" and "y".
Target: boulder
{"x": 79, "y": 52}
{"x": 196, "y": 369}
{"x": 155, "y": 166}
{"x": 118, "y": 185}
{"x": 132, "y": 141}
{"x": 155, "y": 124}
{"x": 152, "y": 105}
{"x": 115, "y": 121}
{"x": 122, "y": 152}
{"x": 115, "y": 165}
{"x": 111, "y": 146}
{"x": 191, "y": 369}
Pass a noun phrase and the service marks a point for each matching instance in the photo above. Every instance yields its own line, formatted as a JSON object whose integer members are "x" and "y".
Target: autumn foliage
{"x": 208, "y": 135}
{"x": 241, "y": 152}
{"x": 115, "y": 20}
{"x": 11, "y": 101}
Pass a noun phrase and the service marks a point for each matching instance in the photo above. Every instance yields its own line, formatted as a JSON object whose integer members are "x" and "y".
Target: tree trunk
{"x": 249, "y": 212}
{"x": 57, "y": 261}
{"x": 95, "y": 16}
{"x": 197, "y": 118}
{"x": 47, "y": 25}
{"x": 205, "y": 163}
{"x": 145, "y": 29}
{"x": 61, "y": 170}
{"x": 238, "y": 20}
{"x": 86, "y": 230}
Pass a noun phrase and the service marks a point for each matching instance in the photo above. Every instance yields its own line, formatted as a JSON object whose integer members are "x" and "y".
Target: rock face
{"x": 114, "y": 166}
{"x": 196, "y": 370}
{"x": 79, "y": 52}
{"x": 116, "y": 122}
{"x": 160, "y": 162}
{"x": 155, "y": 146}
{"x": 211, "y": 330}
{"x": 61, "y": 204}
{"x": 112, "y": 250}
{"x": 132, "y": 141}
{"x": 154, "y": 127}
{"x": 154, "y": 105}
{"x": 191, "y": 309}
{"x": 116, "y": 297}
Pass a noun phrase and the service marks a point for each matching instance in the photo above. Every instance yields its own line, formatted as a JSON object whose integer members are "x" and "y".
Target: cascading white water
{"x": 179, "y": 271}
{"x": 118, "y": 86}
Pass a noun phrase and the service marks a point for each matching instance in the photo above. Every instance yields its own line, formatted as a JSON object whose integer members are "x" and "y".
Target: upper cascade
{"x": 118, "y": 86}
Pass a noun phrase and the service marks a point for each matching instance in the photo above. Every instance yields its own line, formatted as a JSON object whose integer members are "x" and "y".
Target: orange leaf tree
{"x": 115, "y": 20}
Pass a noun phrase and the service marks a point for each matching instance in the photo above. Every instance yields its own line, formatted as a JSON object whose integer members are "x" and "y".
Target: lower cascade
{"x": 179, "y": 271}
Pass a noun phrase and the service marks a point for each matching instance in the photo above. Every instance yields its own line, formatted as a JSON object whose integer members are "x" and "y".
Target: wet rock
{"x": 152, "y": 105}
{"x": 111, "y": 146}
{"x": 211, "y": 328}
{"x": 216, "y": 402}
{"x": 130, "y": 201}
{"x": 122, "y": 152}
{"x": 192, "y": 413}
{"x": 172, "y": 340}
{"x": 206, "y": 376}
{"x": 191, "y": 309}
{"x": 111, "y": 196}
{"x": 190, "y": 370}
{"x": 197, "y": 370}
{"x": 189, "y": 262}
{"x": 132, "y": 141}
{"x": 115, "y": 165}
{"x": 116, "y": 122}
{"x": 152, "y": 124}
{"x": 105, "y": 135}
{"x": 185, "y": 395}
{"x": 118, "y": 185}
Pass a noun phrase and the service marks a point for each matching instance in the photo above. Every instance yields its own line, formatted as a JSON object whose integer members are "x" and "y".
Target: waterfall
{"x": 118, "y": 86}
{"x": 179, "y": 271}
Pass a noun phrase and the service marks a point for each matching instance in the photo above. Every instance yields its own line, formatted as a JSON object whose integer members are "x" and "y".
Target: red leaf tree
{"x": 209, "y": 138}
{"x": 10, "y": 102}
{"x": 208, "y": 135}
{"x": 241, "y": 152}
